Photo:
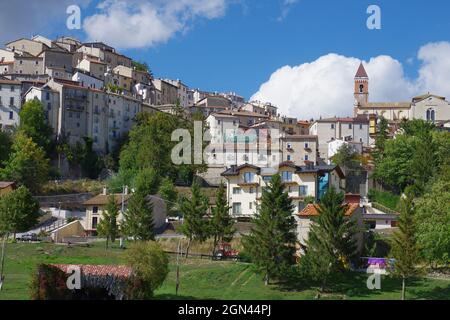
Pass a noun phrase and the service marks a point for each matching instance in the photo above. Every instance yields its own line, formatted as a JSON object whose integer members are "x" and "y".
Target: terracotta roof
{"x": 6, "y": 63}
{"x": 386, "y": 105}
{"x": 361, "y": 73}
{"x": 10, "y": 82}
{"x": 346, "y": 119}
{"x": 99, "y": 270}
{"x": 234, "y": 170}
{"x": 6, "y": 184}
{"x": 311, "y": 210}
{"x": 425, "y": 96}
{"x": 102, "y": 199}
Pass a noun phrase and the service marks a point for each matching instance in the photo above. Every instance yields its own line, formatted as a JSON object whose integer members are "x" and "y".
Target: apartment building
{"x": 183, "y": 92}
{"x": 27, "y": 64}
{"x": 299, "y": 149}
{"x": 87, "y": 80}
{"x": 104, "y": 53}
{"x": 122, "y": 111}
{"x": 31, "y": 47}
{"x": 246, "y": 182}
{"x": 347, "y": 129}
{"x": 10, "y": 103}
{"x": 95, "y": 68}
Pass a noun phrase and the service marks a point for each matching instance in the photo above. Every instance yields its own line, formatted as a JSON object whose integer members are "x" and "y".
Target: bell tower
{"x": 361, "y": 86}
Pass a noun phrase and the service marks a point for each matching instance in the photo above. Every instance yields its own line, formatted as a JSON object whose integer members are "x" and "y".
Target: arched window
{"x": 361, "y": 88}
{"x": 431, "y": 115}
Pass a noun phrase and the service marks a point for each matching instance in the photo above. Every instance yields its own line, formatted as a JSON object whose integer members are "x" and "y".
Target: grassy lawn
{"x": 385, "y": 198}
{"x": 202, "y": 279}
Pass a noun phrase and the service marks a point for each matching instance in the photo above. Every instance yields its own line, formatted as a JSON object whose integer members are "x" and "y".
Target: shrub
{"x": 150, "y": 268}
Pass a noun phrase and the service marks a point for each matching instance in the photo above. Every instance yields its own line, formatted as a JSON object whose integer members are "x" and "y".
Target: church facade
{"x": 428, "y": 107}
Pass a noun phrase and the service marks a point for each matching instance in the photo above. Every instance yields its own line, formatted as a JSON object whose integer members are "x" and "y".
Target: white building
{"x": 246, "y": 182}
{"x": 10, "y": 103}
{"x": 347, "y": 129}
{"x": 87, "y": 80}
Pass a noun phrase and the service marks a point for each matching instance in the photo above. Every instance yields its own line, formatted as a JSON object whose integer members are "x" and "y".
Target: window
{"x": 94, "y": 209}
{"x": 360, "y": 126}
{"x": 303, "y": 191}
{"x": 430, "y": 115}
{"x": 252, "y": 190}
{"x": 361, "y": 88}
{"x": 286, "y": 176}
{"x": 47, "y": 95}
{"x": 94, "y": 222}
{"x": 349, "y": 125}
{"x": 289, "y": 146}
{"x": 237, "y": 208}
{"x": 306, "y": 157}
{"x": 218, "y": 121}
{"x": 267, "y": 179}
{"x": 13, "y": 88}
{"x": 289, "y": 157}
{"x": 249, "y": 177}
{"x": 11, "y": 101}
{"x": 250, "y": 205}
{"x": 306, "y": 145}
{"x": 332, "y": 126}
{"x": 237, "y": 190}
{"x": 11, "y": 115}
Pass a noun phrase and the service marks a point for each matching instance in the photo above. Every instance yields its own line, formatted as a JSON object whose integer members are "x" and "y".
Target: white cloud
{"x": 285, "y": 8}
{"x": 324, "y": 87}
{"x": 145, "y": 23}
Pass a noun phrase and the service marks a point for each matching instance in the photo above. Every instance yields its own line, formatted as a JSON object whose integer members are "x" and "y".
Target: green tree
{"x": 138, "y": 218}
{"x": 271, "y": 242}
{"x": 381, "y": 138}
{"x": 5, "y": 147}
{"x": 331, "y": 244}
{"x": 150, "y": 146}
{"x": 108, "y": 227}
{"x": 169, "y": 194}
{"x": 19, "y": 211}
{"x": 350, "y": 162}
{"x": 150, "y": 266}
{"x": 147, "y": 181}
{"x": 90, "y": 163}
{"x": 433, "y": 223}
{"x": 27, "y": 164}
{"x": 404, "y": 248}
{"x": 34, "y": 124}
{"x": 221, "y": 224}
{"x": 394, "y": 168}
{"x": 194, "y": 226}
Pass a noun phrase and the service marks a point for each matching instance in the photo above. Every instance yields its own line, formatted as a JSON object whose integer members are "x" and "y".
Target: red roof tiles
{"x": 311, "y": 210}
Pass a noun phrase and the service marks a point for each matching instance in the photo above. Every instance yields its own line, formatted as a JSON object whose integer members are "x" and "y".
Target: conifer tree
{"x": 271, "y": 243}
{"x": 194, "y": 226}
{"x": 331, "y": 243}
{"x": 405, "y": 250}
{"x": 107, "y": 227}
{"x": 222, "y": 224}
{"x": 138, "y": 218}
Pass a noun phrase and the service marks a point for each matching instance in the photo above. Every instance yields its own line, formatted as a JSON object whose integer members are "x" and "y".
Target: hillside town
{"x": 87, "y": 132}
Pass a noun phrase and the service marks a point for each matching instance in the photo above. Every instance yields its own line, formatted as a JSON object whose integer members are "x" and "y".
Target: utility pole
{"x": 2, "y": 277}
{"x": 122, "y": 210}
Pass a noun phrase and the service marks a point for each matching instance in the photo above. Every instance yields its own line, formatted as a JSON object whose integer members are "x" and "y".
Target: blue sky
{"x": 240, "y": 47}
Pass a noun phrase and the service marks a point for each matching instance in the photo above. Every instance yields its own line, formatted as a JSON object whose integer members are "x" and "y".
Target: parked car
{"x": 29, "y": 237}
